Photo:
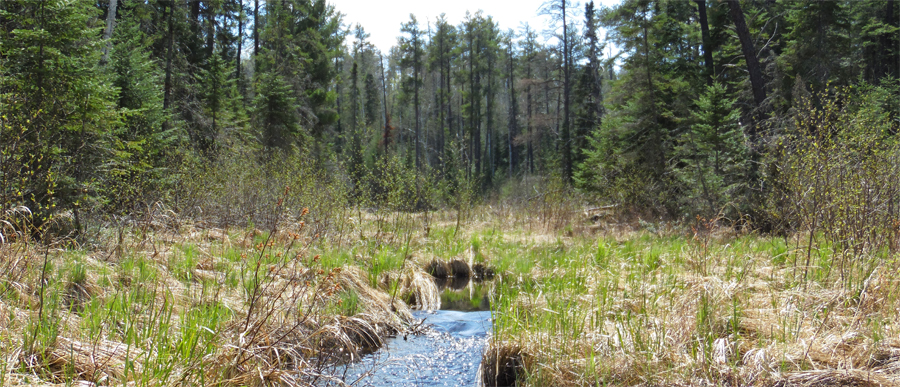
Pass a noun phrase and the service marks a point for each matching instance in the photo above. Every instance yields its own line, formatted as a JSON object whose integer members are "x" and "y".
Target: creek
{"x": 448, "y": 353}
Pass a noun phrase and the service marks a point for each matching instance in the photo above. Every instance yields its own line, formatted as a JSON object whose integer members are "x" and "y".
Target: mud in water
{"x": 447, "y": 355}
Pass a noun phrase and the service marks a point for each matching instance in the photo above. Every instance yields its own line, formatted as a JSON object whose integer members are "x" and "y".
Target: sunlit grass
{"x": 687, "y": 308}
{"x": 657, "y": 304}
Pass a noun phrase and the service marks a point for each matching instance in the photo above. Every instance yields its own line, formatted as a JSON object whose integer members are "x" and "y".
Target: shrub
{"x": 837, "y": 171}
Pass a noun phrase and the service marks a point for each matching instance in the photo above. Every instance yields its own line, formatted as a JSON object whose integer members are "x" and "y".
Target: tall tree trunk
{"x": 255, "y": 36}
{"x": 530, "y": 129}
{"x": 756, "y": 83}
{"x": 756, "y": 79}
{"x": 210, "y": 29}
{"x": 107, "y": 34}
{"x": 707, "y": 50}
{"x": 474, "y": 150}
{"x": 889, "y": 49}
{"x": 566, "y": 131}
{"x": 416, "y": 96}
{"x": 513, "y": 111}
{"x": 240, "y": 45}
{"x": 167, "y": 94}
{"x": 596, "y": 77}
{"x": 449, "y": 100}
{"x": 386, "y": 137}
{"x": 489, "y": 135}
{"x": 442, "y": 96}
{"x": 195, "y": 11}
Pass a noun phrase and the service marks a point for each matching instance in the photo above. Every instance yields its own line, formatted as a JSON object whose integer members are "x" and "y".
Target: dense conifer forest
{"x": 111, "y": 106}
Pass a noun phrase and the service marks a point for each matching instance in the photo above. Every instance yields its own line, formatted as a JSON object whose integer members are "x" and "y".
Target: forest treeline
{"x": 710, "y": 108}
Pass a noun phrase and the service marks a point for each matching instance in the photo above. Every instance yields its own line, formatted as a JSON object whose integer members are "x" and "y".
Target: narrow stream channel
{"x": 449, "y": 354}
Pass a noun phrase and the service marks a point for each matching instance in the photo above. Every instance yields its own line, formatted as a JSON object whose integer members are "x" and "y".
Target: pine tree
{"x": 529, "y": 48}
{"x": 216, "y": 91}
{"x": 373, "y": 100}
{"x": 441, "y": 53}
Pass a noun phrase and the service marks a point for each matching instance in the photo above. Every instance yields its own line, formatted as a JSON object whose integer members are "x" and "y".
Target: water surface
{"x": 447, "y": 355}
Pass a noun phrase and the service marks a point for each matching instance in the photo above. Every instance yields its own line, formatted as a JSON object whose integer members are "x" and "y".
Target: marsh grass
{"x": 194, "y": 305}
{"x": 169, "y": 299}
{"x": 696, "y": 307}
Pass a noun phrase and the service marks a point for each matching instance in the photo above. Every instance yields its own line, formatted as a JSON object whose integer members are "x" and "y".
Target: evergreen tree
{"x": 712, "y": 155}
{"x": 58, "y": 104}
{"x": 441, "y": 54}
{"x": 529, "y": 47}
{"x": 373, "y": 99}
{"x": 588, "y": 88}
{"x": 143, "y": 153}
{"x": 275, "y": 115}
{"x": 628, "y": 158}
{"x": 413, "y": 56}
{"x": 513, "y": 117}
{"x": 558, "y": 11}
{"x": 216, "y": 91}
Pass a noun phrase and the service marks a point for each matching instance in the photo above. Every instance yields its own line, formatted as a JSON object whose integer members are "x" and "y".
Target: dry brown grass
{"x": 420, "y": 290}
{"x": 720, "y": 315}
{"x": 289, "y": 331}
{"x": 502, "y": 364}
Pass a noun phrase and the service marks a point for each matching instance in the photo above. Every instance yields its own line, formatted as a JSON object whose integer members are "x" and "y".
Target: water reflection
{"x": 464, "y": 294}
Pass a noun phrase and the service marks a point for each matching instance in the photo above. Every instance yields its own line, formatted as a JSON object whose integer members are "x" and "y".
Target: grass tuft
{"x": 502, "y": 364}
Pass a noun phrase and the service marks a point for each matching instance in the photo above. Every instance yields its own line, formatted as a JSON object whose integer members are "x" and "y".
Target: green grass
{"x": 581, "y": 305}
{"x": 650, "y": 305}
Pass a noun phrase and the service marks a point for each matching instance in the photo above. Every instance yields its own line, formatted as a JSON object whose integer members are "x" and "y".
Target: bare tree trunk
{"x": 240, "y": 45}
{"x": 707, "y": 50}
{"x": 416, "y": 103}
{"x": 255, "y": 36}
{"x": 891, "y": 56}
{"x": 756, "y": 79}
{"x": 567, "y": 140}
{"x": 449, "y": 100}
{"x": 386, "y": 137}
{"x": 168, "y": 82}
{"x": 513, "y": 111}
{"x": 440, "y": 105}
{"x": 210, "y": 29}
{"x": 529, "y": 129}
{"x": 107, "y": 34}
{"x": 489, "y": 125}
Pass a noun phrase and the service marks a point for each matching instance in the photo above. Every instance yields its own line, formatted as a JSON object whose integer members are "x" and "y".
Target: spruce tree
{"x": 144, "y": 155}
{"x": 413, "y": 56}
{"x": 712, "y": 155}
{"x": 58, "y": 104}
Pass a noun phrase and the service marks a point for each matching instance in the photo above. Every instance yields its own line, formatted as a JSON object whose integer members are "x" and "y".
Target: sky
{"x": 382, "y": 19}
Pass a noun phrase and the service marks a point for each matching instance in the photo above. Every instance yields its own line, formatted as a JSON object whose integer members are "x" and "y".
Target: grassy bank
{"x": 178, "y": 301}
{"x": 694, "y": 307}
{"x": 183, "y": 303}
